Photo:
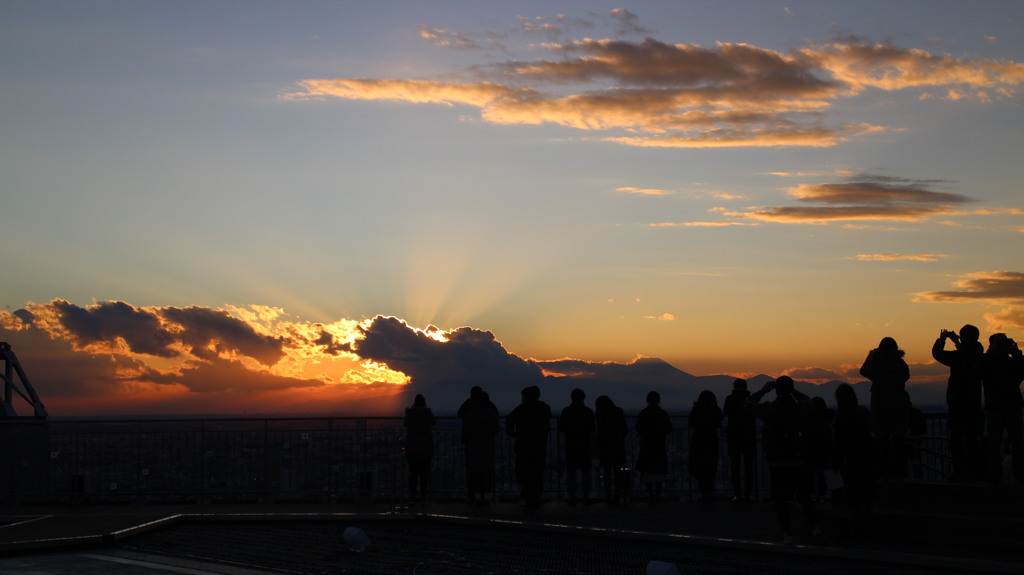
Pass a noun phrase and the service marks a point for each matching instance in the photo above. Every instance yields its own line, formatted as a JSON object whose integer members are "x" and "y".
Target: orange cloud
{"x": 700, "y": 224}
{"x": 862, "y": 66}
{"x": 898, "y": 257}
{"x": 1002, "y": 288}
{"x": 447, "y": 38}
{"x": 866, "y": 197}
{"x": 997, "y": 286}
{"x": 643, "y": 191}
{"x": 761, "y": 138}
{"x": 143, "y": 355}
{"x": 658, "y": 94}
{"x": 479, "y": 94}
{"x": 218, "y": 360}
{"x": 1006, "y": 319}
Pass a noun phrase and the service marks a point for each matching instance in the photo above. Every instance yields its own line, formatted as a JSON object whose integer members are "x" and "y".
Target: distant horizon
{"x": 247, "y": 207}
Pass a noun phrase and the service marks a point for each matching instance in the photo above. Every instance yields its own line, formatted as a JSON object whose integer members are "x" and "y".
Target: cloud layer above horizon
{"x": 652, "y": 93}
{"x": 257, "y": 359}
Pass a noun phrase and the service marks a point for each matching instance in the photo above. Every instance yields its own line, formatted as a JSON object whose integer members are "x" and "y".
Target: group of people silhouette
{"x": 809, "y": 448}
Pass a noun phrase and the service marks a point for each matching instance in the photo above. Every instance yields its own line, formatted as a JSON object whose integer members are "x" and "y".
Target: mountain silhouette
{"x": 627, "y": 384}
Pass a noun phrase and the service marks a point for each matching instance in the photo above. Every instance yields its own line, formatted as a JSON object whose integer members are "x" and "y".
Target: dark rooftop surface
{"x": 980, "y": 535}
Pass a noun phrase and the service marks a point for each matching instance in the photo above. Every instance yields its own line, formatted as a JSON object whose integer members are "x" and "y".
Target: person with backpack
{"x": 784, "y": 436}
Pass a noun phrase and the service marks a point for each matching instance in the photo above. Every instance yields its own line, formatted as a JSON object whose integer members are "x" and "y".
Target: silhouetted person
{"x": 963, "y": 398}
{"x": 888, "y": 373}
{"x": 853, "y": 456}
{"x": 529, "y": 423}
{"x": 577, "y": 424}
{"x": 653, "y": 426}
{"x": 783, "y": 438}
{"x": 704, "y": 421}
{"x": 479, "y": 429}
{"x": 419, "y": 445}
{"x": 819, "y": 445}
{"x": 740, "y": 440}
{"x": 1002, "y": 370}
{"x": 611, "y": 446}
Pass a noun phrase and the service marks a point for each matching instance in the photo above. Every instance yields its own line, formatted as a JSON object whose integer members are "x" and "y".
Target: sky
{"x": 287, "y": 206}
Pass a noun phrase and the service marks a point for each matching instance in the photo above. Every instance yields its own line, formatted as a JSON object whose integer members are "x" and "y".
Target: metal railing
{"x": 306, "y": 459}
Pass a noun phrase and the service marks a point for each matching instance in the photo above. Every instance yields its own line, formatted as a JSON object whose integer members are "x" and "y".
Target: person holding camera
{"x": 963, "y": 399}
{"x": 1002, "y": 370}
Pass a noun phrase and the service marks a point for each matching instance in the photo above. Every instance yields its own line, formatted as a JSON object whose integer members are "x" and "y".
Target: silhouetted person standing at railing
{"x": 1002, "y": 370}
{"x": 653, "y": 426}
{"x": 479, "y": 429}
{"x": 740, "y": 440}
{"x": 783, "y": 437}
{"x": 853, "y": 456}
{"x": 419, "y": 445}
{"x": 611, "y": 446}
{"x": 704, "y": 422}
{"x": 577, "y": 425}
{"x": 819, "y": 446}
{"x": 890, "y": 411}
{"x": 529, "y": 423}
{"x": 963, "y": 398}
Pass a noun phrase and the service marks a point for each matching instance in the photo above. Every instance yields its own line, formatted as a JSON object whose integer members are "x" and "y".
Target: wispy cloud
{"x": 999, "y": 288}
{"x": 723, "y": 224}
{"x": 662, "y": 317}
{"x": 627, "y": 22}
{"x": 898, "y": 257}
{"x": 643, "y": 191}
{"x": 866, "y": 197}
{"x": 448, "y": 39}
{"x": 652, "y": 93}
{"x": 558, "y": 26}
{"x": 860, "y": 66}
{"x": 783, "y": 174}
{"x": 727, "y": 196}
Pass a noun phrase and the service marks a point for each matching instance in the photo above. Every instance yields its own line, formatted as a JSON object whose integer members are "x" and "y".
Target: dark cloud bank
{"x": 444, "y": 371}
{"x": 442, "y": 365}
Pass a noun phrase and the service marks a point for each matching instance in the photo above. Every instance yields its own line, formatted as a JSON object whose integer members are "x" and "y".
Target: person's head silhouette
{"x": 969, "y": 333}
{"x": 784, "y": 386}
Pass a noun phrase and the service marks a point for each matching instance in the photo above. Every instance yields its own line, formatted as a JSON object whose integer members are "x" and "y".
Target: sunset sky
{"x": 263, "y": 206}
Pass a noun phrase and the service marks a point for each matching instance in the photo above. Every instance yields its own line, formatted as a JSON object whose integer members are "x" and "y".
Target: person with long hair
{"x": 704, "y": 422}
{"x": 890, "y": 410}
